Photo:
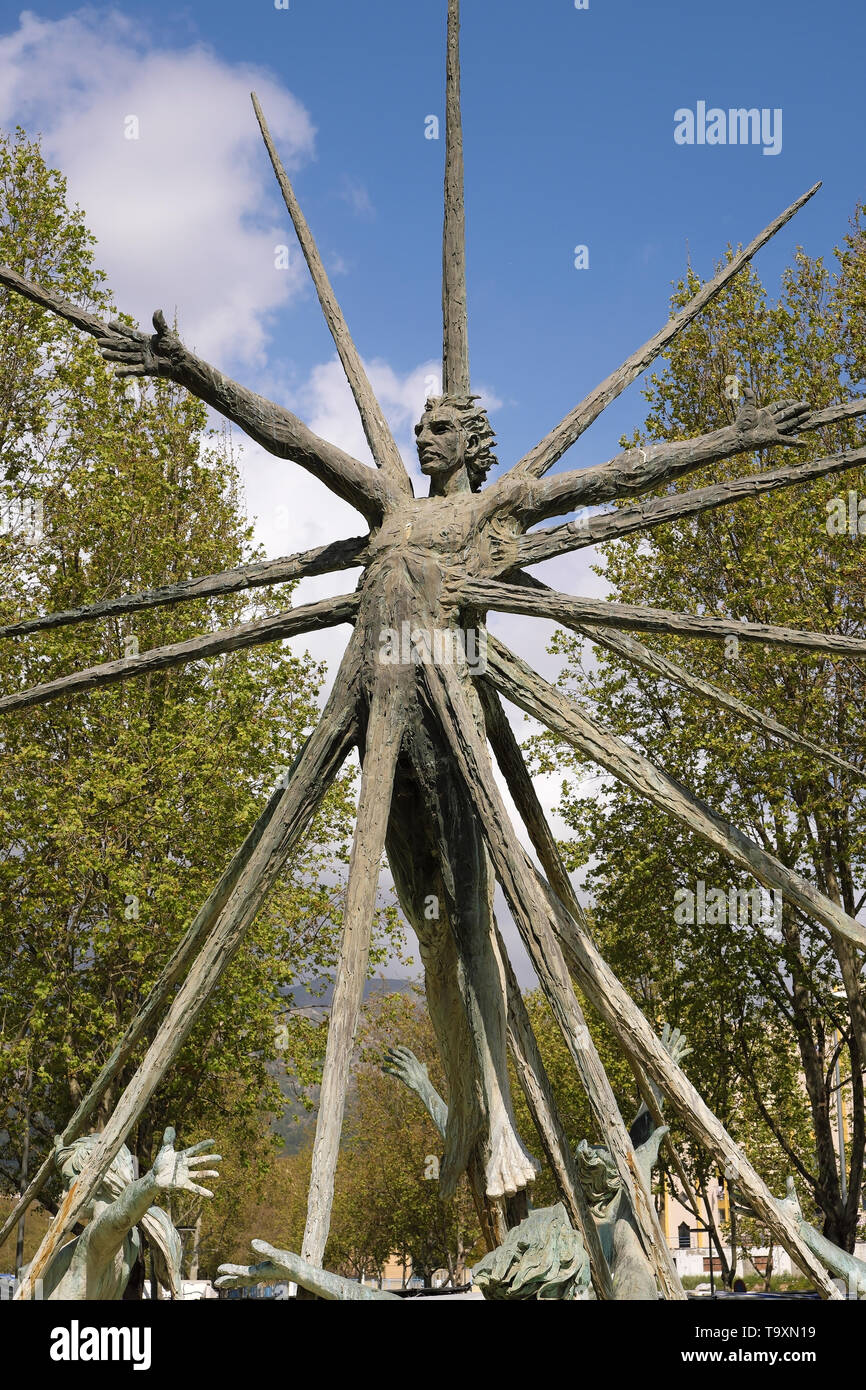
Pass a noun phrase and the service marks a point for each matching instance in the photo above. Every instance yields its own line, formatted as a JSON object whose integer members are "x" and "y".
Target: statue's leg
{"x": 424, "y": 899}
{"x": 445, "y": 883}
{"x": 509, "y": 1168}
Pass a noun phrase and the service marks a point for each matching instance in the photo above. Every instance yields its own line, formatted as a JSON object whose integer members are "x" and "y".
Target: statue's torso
{"x": 74, "y": 1274}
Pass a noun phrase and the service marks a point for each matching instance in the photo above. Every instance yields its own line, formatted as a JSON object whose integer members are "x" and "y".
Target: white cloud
{"x": 187, "y": 217}
{"x": 357, "y": 196}
{"x": 186, "y": 214}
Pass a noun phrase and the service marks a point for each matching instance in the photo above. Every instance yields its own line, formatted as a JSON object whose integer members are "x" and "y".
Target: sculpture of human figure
{"x": 97, "y": 1264}
{"x": 508, "y": 1272}
{"x": 437, "y": 856}
{"x": 541, "y": 1259}
{"x": 418, "y": 550}
{"x": 435, "y": 846}
{"x": 838, "y": 1261}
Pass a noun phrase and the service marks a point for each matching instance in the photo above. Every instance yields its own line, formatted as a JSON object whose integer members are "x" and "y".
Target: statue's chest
{"x": 444, "y": 526}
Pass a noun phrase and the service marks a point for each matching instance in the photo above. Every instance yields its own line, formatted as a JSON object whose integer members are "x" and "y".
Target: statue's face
{"x": 442, "y": 443}
{"x": 598, "y": 1175}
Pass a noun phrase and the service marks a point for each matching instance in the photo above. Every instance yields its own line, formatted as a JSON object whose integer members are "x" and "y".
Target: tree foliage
{"x": 121, "y": 808}
{"x": 759, "y": 1001}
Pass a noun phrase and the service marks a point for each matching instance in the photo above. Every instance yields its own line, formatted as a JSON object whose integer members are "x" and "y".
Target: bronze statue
{"x": 97, "y": 1264}
{"x": 543, "y": 1258}
{"x": 422, "y": 727}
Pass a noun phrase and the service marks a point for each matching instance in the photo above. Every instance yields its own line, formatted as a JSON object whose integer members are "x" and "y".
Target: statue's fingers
{"x": 199, "y": 1148}
{"x": 203, "y": 1158}
{"x": 117, "y": 327}
{"x": 201, "y": 1191}
{"x": 130, "y": 371}
{"x": 242, "y": 1276}
{"x": 120, "y": 354}
{"x": 207, "y": 1172}
{"x": 159, "y": 322}
{"x": 262, "y": 1247}
{"x": 168, "y": 1138}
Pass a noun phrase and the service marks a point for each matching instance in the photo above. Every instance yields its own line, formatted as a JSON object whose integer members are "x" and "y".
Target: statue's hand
{"x": 402, "y": 1063}
{"x": 133, "y": 353}
{"x": 174, "y": 1171}
{"x": 244, "y": 1276}
{"x": 648, "y": 1153}
{"x": 674, "y": 1044}
{"x": 773, "y": 424}
{"x": 790, "y": 1203}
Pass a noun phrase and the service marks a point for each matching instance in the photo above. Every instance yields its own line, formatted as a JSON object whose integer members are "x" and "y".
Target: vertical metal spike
{"x": 379, "y": 437}
{"x": 455, "y": 343}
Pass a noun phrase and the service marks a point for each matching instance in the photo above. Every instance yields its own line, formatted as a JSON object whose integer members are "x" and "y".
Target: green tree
{"x": 744, "y": 991}
{"x": 121, "y": 808}
{"x": 387, "y": 1197}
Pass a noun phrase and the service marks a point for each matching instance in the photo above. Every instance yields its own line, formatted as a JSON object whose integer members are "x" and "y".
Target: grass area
{"x": 755, "y": 1283}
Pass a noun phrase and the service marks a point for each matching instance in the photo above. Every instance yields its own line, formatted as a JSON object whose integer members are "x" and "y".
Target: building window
{"x": 685, "y": 1235}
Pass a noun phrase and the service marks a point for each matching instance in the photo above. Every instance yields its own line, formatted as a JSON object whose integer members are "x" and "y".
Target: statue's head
{"x": 598, "y": 1176}
{"x": 71, "y": 1158}
{"x": 542, "y": 1258}
{"x": 454, "y": 433}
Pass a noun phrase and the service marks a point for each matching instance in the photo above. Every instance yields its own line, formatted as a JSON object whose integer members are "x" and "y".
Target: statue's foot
{"x": 509, "y": 1168}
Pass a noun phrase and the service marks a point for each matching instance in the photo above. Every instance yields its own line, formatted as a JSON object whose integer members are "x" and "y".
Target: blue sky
{"x": 569, "y": 130}
{"x": 569, "y": 139}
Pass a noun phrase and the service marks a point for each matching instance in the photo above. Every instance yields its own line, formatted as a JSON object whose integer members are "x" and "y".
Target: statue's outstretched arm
{"x": 171, "y": 1172}
{"x": 107, "y": 1232}
{"x": 646, "y": 1154}
{"x": 162, "y": 353}
{"x": 280, "y": 1266}
{"x": 639, "y": 470}
{"x": 643, "y": 1124}
{"x": 402, "y": 1063}
{"x": 134, "y": 353}
{"x": 838, "y": 1261}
